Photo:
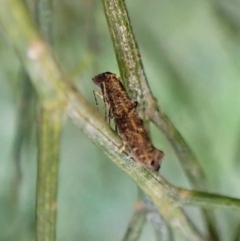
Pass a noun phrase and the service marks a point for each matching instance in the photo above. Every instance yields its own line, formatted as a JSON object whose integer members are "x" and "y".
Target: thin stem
{"x": 24, "y": 127}
{"x": 207, "y": 200}
{"x": 135, "y": 226}
{"x": 50, "y": 125}
{"x": 146, "y": 210}
{"x": 50, "y": 128}
{"x": 49, "y": 131}
{"x": 24, "y": 119}
{"x": 127, "y": 53}
{"x": 161, "y": 228}
{"x": 43, "y": 13}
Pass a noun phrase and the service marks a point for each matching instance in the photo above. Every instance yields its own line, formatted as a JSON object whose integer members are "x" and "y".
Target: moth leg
{"x": 116, "y": 128}
{"x": 107, "y": 112}
{"x": 106, "y": 105}
{"x": 110, "y": 115}
{"x": 95, "y": 93}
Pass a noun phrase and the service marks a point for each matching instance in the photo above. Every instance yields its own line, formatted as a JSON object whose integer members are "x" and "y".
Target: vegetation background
{"x": 191, "y": 55}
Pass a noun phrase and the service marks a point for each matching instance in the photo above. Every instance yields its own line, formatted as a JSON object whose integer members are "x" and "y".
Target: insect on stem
{"x": 130, "y": 126}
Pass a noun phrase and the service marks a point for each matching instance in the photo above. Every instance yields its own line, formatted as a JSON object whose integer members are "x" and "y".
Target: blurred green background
{"x": 191, "y": 55}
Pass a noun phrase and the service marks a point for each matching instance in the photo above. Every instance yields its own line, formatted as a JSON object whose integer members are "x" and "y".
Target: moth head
{"x": 98, "y": 79}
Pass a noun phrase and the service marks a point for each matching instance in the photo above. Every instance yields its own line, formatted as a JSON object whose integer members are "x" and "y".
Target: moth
{"x": 129, "y": 125}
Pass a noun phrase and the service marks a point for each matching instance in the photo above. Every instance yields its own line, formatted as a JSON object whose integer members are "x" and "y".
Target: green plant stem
{"x": 43, "y": 14}
{"x": 49, "y": 133}
{"x": 134, "y": 77}
{"x": 206, "y": 200}
{"x": 24, "y": 120}
{"x": 135, "y": 226}
{"x": 161, "y": 228}
{"x": 24, "y": 126}
{"x": 50, "y": 128}
{"x": 127, "y": 53}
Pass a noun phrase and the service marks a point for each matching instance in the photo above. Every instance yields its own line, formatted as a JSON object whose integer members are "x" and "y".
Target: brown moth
{"x": 129, "y": 124}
